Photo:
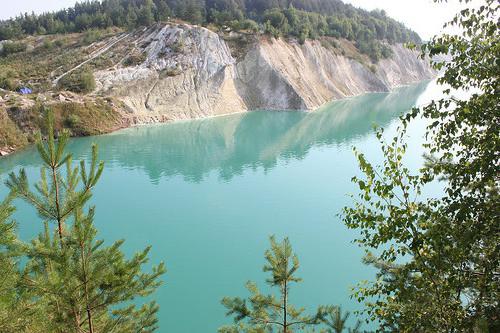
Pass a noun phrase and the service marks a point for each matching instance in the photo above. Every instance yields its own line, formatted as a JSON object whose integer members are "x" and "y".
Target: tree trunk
{"x": 58, "y": 208}
{"x": 285, "y": 325}
{"x": 85, "y": 283}
{"x": 89, "y": 316}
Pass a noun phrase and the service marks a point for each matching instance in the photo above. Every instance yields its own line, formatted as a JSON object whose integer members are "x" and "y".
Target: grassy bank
{"x": 20, "y": 124}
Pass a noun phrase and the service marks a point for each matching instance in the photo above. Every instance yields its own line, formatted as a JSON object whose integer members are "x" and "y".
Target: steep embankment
{"x": 179, "y": 71}
{"x": 190, "y": 72}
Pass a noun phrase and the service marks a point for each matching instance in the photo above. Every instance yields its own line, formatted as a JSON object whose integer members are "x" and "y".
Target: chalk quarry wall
{"x": 189, "y": 72}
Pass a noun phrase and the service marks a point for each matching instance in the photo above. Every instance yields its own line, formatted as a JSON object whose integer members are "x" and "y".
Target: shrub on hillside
{"x": 59, "y": 42}
{"x": 178, "y": 46}
{"x": 386, "y": 51}
{"x": 8, "y": 83}
{"x": 134, "y": 59}
{"x": 48, "y": 44}
{"x": 10, "y": 134}
{"x": 72, "y": 121}
{"x": 329, "y": 43}
{"x": 79, "y": 82}
{"x": 247, "y": 24}
{"x": 92, "y": 36}
{"x": 250, "y": 25}
{"x": 11, "y": 48}
{"x": 372, "y": 48}
{"x": 302, "y": 38}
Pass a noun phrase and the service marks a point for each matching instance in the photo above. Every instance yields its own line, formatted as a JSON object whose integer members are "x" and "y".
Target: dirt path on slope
{"x": 95, "y": 55}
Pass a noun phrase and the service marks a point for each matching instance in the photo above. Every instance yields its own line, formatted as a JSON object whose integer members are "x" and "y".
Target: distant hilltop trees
{"x": 289, "y": 18}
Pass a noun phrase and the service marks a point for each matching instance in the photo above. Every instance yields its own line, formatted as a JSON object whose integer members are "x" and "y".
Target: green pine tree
{"x": 194, "y": 12}
{"x": 132, "y": 17}
{"x": 146, "y": 17}
{"x": 270, "y": 313}
{"x": 264, "y": 313}
{"x": 56, "y": 199}
{"x": 336, "y": 321}
{"x": 17, "y": 311}
{"x": 163, "y": 11}
{"x": 82, "y": 285}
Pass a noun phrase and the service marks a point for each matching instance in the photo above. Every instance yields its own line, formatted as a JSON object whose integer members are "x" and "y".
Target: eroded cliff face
{"x": 189, "y": 72}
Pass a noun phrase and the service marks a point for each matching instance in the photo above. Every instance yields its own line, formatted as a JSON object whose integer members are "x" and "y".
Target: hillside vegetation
{"x": 45, "y": 58}
{"x": 291, "y": 18}
{"x": 21, "y": 118}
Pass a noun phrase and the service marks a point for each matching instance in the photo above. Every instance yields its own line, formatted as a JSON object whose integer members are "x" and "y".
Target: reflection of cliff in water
{"x": 234, "y": 143}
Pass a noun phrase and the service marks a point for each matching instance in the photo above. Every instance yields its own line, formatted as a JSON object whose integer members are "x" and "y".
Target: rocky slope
{"x": 191, "y": 72}
{"x": 179, "y": 71}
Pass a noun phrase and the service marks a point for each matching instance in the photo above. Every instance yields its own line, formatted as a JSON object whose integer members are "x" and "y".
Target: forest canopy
{"x": 289, "y": 18}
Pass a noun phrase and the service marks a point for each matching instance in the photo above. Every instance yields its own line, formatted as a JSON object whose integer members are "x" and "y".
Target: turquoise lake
{"x": 207, "y": 194}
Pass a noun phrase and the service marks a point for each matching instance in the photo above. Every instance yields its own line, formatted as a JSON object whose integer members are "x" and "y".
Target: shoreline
{"x": 158, "y": 123}
{"x": 4, "y": 152}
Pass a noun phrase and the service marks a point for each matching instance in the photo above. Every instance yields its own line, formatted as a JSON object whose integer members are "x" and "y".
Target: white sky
{"x": 423, "y": 16}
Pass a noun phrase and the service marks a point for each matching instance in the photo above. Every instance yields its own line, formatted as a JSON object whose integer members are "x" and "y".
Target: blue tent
{"x": 25, "y": 91}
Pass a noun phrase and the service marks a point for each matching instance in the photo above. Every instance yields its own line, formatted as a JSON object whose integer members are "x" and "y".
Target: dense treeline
{"x": 299, "y": 18}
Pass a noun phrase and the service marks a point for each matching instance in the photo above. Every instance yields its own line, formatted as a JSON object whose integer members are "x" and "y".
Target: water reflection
{"x": 234, "y": 143}
{"x": 220, "y": 229}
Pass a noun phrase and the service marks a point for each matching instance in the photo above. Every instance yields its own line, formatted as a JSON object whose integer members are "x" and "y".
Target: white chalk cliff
{"x": 190, "y": 72}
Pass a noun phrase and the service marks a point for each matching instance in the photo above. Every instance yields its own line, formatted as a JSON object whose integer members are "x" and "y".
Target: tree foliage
{"x": 11, "y": 48}
{"x": 71, "y": 281}
{"x": 80, "y": 81}
{"x": 271, "y": 313}
{"x": 438, "y": 256}
{"x": 17, "y": 311}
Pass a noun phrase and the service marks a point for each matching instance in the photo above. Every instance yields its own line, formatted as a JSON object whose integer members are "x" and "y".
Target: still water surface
{"x": 206, "y": 194}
